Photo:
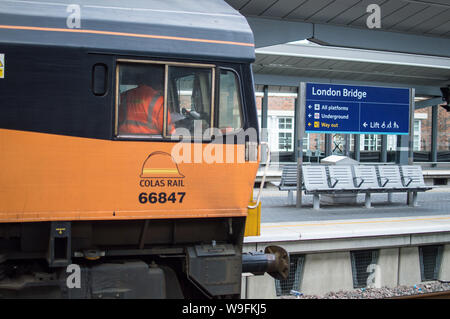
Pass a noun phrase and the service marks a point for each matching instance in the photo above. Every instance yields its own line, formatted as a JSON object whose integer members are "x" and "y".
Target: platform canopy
{"x": 411, "y": 49}
{"x": 287, "y": 64}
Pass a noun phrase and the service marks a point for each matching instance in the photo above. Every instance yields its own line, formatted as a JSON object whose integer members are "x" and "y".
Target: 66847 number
{"x": 153, "y": 198}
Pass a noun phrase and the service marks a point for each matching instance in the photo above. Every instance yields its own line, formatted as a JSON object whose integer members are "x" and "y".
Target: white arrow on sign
{"x": 309, "y": 106}
{"x": 365, "y": 124}
{"x": 309, "y": 115}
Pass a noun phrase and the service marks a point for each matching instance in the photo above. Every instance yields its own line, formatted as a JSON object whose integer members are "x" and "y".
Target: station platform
{"x": 322, "y": 242}
{"x": 283, "y": 222}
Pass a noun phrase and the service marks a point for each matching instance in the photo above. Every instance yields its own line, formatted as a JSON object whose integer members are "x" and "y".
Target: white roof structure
{"x": 411, "y": 49}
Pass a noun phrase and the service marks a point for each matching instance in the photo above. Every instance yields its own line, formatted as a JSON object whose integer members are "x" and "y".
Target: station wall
{"x": 325, "y": 272}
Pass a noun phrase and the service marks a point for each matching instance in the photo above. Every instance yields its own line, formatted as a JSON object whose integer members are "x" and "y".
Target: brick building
{"x": 280, "y": 125}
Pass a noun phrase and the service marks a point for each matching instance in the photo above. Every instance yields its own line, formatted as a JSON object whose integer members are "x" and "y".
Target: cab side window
{"x": 189, "y": 98}
{"x": 170, "y": 99}
{"x": 230, "y": 109}
{"x": 140, "y": 100}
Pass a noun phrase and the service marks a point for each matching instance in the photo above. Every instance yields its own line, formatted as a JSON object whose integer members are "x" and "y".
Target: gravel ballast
{"x": 378, "y": 293}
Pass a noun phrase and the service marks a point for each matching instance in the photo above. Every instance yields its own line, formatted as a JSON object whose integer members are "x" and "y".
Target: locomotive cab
{"x": 128, "y": 146}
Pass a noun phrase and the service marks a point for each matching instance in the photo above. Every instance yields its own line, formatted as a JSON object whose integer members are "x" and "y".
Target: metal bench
{"x": 341, "y": 178}
{"x": 389, "y": 177}
{"x": 330, "y": 179}
{"x": 316, "y": 181}
{"x": 367, "y": 179}
{"x": 390, "y": 180}
{"x": 289, "y": 181}
{"x": 378, "y": 179}
{"x": 412, "y": 178}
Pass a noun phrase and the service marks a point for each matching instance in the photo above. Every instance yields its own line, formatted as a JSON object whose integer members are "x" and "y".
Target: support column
{"x": 409, "y": 266}
{"x": 383, "y": 148}
{"x": 357, "y": 151}
{"x": 260, "y": 287}
{"x": 347, "y": 144}
{"x": 300, "y": 129}
{"x": 328, "y": 144}
{"x": 264, "y": 112}
{"x": 404, "y": 153}
{"x": 412, "y": 94}
{"x": 296, "y": 110}
{"x": 402, "y": 150}
{"x": 434, "y": 132}
{"x": 444, "y": 272}
{"x": 326, "y": 272}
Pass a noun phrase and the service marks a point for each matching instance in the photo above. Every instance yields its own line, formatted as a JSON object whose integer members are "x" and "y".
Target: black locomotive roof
{"x": 190, "y": 28}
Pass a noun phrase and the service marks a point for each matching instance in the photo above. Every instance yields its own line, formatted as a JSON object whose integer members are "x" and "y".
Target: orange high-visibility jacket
{"x": 142, "y": 111}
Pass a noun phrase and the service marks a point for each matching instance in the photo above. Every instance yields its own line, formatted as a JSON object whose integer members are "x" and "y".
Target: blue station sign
{"x": 332, "y": 108}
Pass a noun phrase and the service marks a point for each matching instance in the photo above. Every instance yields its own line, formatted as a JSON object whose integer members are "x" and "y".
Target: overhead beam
{"x": 381, "y": 40}
{"x": 270, "y": 32}
{"x": 429, "y": 102}
{"x": 284, "y": 80}
{"x": 356, "y": 55}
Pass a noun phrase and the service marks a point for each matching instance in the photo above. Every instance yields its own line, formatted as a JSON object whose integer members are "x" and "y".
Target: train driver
{"x": 142, "y": 108}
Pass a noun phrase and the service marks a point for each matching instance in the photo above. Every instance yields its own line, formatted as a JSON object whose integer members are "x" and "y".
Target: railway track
{"x": 429, "y": 295}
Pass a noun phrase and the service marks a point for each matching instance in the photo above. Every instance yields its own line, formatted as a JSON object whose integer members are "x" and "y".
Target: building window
{"x": 338, "y": 144}
{"x": 372, "y": 142}
{"x": 285, "y": 141}
{"x": 417, "y": 134}
{"x": 285, "y": 134}
{"x": 306, "y": 142}
{"x": 392, "y": 142}
{"x": 285, "y": 123}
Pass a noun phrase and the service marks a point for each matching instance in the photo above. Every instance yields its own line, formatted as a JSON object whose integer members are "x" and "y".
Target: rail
{"x": 429, "y": 295}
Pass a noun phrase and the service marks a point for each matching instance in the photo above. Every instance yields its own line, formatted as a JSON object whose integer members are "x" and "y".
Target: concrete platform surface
{"x": 346, "y": 228}
{"x": 283, "y": 222}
